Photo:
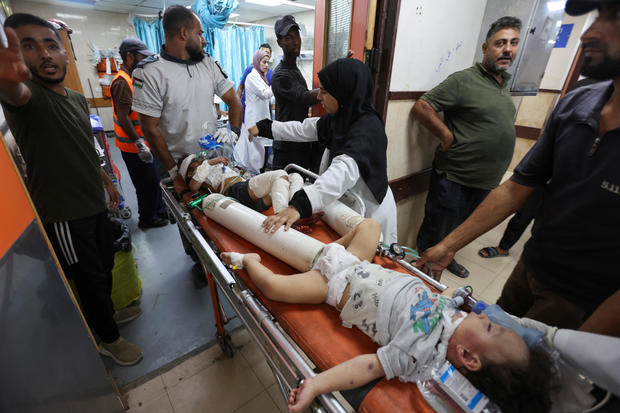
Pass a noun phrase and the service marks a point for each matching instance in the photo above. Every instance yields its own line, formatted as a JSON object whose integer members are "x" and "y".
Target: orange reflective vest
{"x": 123, "y": 142}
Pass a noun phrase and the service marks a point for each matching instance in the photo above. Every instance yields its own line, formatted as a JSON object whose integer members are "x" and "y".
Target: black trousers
{"x": 145, "y": 178}
{"x": 448, "y": 204}
{"x": 305, "y": 154}
{"x": 84, "y": 249}
{"x": 518, "y": 223}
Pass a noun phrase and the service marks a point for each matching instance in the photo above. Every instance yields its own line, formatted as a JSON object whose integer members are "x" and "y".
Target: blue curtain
{"x": 213, "y": 15}
{"x": 150, "y": 32}
{"x": 234, "y": 48}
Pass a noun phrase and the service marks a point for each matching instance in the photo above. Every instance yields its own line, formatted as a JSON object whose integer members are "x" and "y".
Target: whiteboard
{"x": 434, "y": 39}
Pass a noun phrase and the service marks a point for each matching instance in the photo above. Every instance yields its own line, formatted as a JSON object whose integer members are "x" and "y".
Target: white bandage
{"x": 236, "y": 260}
{"x": 214, "y": 175}
{"x": 185, "y": 165}
{"x": 261, "y": 184}
{"x": 296, "y": 182}
{"x": 279, "y": 194}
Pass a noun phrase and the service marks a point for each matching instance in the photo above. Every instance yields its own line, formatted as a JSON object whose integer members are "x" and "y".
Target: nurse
{"x": 258, "y": 95}
{"x": 355, "y": 143}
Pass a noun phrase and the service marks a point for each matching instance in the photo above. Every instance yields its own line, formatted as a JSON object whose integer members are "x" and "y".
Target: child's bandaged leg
{"x": 296, "y": 182}
{"x": 279, "y": 194}
{"x": 275, "y": 184}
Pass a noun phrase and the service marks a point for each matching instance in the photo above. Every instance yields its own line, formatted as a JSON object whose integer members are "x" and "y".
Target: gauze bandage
{"x": 184, "y": 165}
{"x": 296, "y": 182}
{"x": 236, "y": 261}
{"x": 275, "y": 184}
{"x": 214, "y": 175}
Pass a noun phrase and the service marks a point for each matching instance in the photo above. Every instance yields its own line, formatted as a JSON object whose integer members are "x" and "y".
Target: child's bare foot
{"x": 236, "y": 260}
{"x": 300, "y": 398}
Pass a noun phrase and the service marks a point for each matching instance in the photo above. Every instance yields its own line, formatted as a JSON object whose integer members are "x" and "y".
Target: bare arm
{"x": 13, "y": 72}
{"x": 235, "y": 109}
{"x": 240, "y": 90}
{"x": 428, "y": 117}
{"x": 115, "y": 196}
{"x": 345, "y": 376}
{"x": 507, "y": 198}
{"x": 156, "y": 140}
{"x": 606, "y": 318}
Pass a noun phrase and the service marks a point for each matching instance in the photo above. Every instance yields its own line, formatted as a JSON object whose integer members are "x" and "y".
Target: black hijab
{"x": 356, "y": 129}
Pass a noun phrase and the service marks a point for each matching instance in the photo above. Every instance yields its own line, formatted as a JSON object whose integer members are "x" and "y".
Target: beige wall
{"x": 104, "y": 29}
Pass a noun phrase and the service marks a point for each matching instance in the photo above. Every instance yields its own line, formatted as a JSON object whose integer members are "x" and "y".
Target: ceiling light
{"x": 267, "y": 3}
{"x": 556, "y": 5}
{"x": 70, "y": 16}
{"x": 233, "y": 15}
{"x": 296, "y": 4}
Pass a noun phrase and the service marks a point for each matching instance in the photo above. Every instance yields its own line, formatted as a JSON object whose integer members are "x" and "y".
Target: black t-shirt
{"x": 54, "y": 135}
{"x": 575, "y": 241}
{"x": 291, "y": 92}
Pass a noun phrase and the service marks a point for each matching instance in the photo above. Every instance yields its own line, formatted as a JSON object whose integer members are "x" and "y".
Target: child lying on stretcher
{"x": 414, "y": 327}
{"x": 258, "y": 193}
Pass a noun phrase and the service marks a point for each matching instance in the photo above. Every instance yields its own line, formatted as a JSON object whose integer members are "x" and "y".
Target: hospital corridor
{"x": 294, "y": 206}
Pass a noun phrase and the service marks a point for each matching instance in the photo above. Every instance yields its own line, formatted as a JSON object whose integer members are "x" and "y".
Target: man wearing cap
{"x": 568, "y": 273}
{"x": 141, "y": 164}
{"x": 292, "y": 98}
{"x": 174, "y": 92}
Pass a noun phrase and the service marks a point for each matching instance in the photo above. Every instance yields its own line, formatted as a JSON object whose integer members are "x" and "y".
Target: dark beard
{"x": 195, "y": 55}
{"x": 607, "y": 69}
{"x": 47, "y": 80}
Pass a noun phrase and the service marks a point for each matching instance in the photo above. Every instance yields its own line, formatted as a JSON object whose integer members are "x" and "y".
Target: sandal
{"x": 457, "y": 269}
{"x": 491, "y": 252}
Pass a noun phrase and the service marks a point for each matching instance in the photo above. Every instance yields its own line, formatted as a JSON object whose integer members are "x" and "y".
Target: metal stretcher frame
{"x": 283, "y": 357}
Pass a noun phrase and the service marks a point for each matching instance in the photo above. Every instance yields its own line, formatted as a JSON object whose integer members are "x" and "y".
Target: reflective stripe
{"x": 134, "y": 122}
{"x": 124, "y": 140}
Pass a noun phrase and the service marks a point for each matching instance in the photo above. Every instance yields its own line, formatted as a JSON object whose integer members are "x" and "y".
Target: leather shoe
{"x": 156, "y": 223}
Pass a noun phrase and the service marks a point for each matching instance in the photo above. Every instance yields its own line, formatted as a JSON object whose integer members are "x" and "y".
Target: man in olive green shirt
{"x": 477, "y": 136}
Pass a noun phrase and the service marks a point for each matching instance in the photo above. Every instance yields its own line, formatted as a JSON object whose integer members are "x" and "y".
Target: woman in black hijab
{"x": 353, "y": 135}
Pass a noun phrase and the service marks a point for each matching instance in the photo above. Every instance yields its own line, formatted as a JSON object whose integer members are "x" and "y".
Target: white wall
{"x": 561, "y": 58}
{"x": 104, "y": 29}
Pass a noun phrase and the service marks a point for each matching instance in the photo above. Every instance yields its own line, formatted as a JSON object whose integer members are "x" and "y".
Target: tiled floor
{"x": 210, "y": 382}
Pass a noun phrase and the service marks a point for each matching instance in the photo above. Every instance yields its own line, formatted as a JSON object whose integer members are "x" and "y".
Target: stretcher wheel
{"x": 125, "y": 213}
{"x": 226, "y": 345}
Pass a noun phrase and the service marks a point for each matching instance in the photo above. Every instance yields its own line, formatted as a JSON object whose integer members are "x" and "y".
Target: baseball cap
{"x": 284, "y": 25}
{"x": 131, "y": 44}
{"x": 577, "y": 7}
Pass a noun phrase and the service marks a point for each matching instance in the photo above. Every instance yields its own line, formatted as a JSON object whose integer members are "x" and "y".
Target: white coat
{"x": 258, "y": 96}
{"x": 337, "y": 177}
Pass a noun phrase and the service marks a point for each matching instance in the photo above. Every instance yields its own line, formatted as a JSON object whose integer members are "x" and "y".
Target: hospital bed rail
{"x": 282, "y": 357}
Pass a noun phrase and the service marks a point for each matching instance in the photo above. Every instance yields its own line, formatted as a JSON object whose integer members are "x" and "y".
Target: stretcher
{"x": 293, "y": 337}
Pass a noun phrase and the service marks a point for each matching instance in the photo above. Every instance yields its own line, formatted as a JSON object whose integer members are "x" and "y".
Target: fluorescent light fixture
{"x": 232, "y": 15}
{"x": 71, "y": 16}
{"x": 556, "y": 5}
{"x": 296, "y": 4}
{"x": 267, "y": 3}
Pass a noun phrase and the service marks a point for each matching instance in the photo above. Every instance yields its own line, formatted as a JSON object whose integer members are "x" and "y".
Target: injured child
{"x": 414, "y": 327}
{"x": 259, "y": 192}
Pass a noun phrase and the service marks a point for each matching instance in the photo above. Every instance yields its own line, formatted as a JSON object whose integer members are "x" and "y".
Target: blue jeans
{"x": 448, "y": 204}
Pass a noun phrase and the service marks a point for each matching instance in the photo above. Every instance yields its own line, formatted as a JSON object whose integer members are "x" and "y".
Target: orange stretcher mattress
{"x": 317, "y": 329}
